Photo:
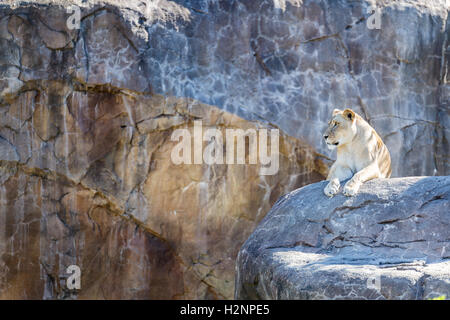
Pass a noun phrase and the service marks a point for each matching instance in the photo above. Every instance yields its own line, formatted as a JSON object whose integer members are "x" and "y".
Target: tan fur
{"x": 361, "y": 154}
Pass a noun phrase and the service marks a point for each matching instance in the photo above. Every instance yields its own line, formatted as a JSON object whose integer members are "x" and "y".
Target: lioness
{"x": 361, "y": 154}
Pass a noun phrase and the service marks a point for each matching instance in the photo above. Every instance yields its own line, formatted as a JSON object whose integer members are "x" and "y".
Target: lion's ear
{"x": 349, "y": 114}
{"x": 336, "y": 111}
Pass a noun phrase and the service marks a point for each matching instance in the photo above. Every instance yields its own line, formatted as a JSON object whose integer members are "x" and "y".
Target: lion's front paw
{"x": 331, "y": 189}
{"x": 351, "y": 188}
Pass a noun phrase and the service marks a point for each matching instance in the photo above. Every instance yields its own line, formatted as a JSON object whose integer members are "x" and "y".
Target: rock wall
{"x": 48, "y": 223}
{"x": 293, "y": 62}
{"x": 90, "y": 111}
{"x": 87, "y": 179}
{"x": 390, "y": 241}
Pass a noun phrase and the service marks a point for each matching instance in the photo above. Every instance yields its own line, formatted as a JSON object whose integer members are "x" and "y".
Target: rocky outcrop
{"x": 391, "y": 241}
{"x": 49, "y": 223}
{"x": 88, "y": 179}
{"x": 287, "y": 62}
{"x": 94, "y": 106}
{"x": 292, "y": 62}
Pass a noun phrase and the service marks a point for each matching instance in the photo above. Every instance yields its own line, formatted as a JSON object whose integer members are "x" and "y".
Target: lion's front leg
{"x": 337, "y": 174}
{"x": 368, "y": 173}
{"x": 332, "y": 188}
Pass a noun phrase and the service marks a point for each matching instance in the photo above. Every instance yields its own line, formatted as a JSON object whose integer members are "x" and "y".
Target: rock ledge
{"x": 391, "y": 241}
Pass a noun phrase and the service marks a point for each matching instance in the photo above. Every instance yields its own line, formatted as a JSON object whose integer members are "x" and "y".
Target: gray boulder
{"x": 391, "y": 241}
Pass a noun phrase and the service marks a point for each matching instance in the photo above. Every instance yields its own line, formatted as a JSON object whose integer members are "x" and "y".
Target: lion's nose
{"x": 325, "y": 137}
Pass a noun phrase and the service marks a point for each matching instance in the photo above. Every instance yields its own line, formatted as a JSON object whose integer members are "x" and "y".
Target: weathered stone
{"x": 321, "y": 53}
{"x": 106, "y": 142}
{"x": 50, "y": 223}
{"x": 98, "y": 104}
{"x": 323, "y": 56}
{"x": 391, "y": 241}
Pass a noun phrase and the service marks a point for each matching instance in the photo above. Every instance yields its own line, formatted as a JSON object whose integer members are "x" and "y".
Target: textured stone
{"x": 97, "y": 105}
{"x": 49, "y": 223}
{"x": 292, "y": 62}
{"x": 391, "y": 241}
{"x": 95, "y": 166}
{"x": 288, "y": 62}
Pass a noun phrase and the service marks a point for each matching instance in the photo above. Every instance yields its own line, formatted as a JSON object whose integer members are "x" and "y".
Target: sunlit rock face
{"x": 49, "y": 222}
{"x": 86, "y": 117}
{"x": 87, "y": 178}
{"x": 292, "y": 62}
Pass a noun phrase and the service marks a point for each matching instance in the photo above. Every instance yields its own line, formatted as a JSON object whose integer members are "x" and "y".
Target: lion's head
{"x": 341, "y": 128}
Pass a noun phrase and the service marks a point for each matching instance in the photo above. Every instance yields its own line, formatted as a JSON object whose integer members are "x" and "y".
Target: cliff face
{"x": 292, "y": 62}
{"x": 390, "y": 241}
{"x": 86, "y": 116}
{"x": 88, "y": 179}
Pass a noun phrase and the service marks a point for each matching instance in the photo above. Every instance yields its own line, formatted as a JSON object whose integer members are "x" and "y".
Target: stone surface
{"x": 87, "y": 178}
{"x": 286, "y": 62}
{"x": 97, "y": 105}
{"x": 49, "y": 223}
{"x": 391, "y": 241}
